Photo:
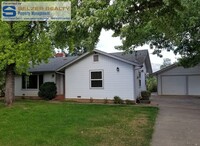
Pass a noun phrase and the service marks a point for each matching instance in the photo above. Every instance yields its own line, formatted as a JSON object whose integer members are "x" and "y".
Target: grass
{"x": 32, "y": 123}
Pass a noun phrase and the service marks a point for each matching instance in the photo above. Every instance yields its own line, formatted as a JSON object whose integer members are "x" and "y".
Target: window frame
{"x": 25, "y": 79}
{"x": 102, "y": 79}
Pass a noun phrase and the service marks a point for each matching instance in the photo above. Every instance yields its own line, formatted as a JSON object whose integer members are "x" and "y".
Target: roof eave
{"x": 42, "y": 71}
{"x": 147, "y": 58}
{"x": 165, "y": 69}
{"x": 115, "y": 57}
{"x": 100, "y": 52}
{"x": 75, "y": 60}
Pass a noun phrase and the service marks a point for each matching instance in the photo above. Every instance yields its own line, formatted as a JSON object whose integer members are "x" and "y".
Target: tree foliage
{"x": 83, "y": 31}
{"x": 166, "y": 62}
{"x": 163, "y": 24}
{"x": 22, "y": 42}
{"x": 152, "y": 84}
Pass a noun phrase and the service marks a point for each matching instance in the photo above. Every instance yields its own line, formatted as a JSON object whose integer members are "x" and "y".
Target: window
{"x": 140, "y": 83}
{"x": 139, "y": 77}
{"x": 95, "y": 58}
{"x": 96, "y": 79}
{"x": 32, "y": 81}
{"x": 139, "y": 74}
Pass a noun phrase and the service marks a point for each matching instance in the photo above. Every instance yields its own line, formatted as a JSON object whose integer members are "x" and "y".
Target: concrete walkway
{"x": 178, "y": 121}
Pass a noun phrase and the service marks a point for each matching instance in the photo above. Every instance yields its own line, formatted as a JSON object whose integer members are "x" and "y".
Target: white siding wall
{"x": 20, "y": 92}
{"x": 114, "y": 83}
{"x": 193, "y": 85}
{"x": 49, "y": 77}
{"x": 138, "y": 88}
{"x": 30, "y": 92}
{"x": 159, "y": 86}
{"x": 143, "y": 77}
{"x": 59, "y": 84}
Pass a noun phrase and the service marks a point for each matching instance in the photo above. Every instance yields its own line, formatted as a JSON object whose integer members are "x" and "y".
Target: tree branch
{"x": 145, "y": 5}
{"x": 23, "y": 36}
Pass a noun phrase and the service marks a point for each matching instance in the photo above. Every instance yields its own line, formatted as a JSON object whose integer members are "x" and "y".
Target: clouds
{"x": 107, "y": 42}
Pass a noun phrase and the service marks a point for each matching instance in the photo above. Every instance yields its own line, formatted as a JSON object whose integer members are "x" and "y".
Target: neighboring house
{"x": 176, "y": 80}
{"x": 96, "y": 74}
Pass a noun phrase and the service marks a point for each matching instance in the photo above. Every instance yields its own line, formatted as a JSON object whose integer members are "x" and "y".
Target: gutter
{"x": 138, "y": 67}
{"x": 60, "y": 73}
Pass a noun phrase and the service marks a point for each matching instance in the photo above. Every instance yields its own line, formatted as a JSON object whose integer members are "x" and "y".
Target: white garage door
{"x": 194, "y": 85}
{"x": 174, "y": 85}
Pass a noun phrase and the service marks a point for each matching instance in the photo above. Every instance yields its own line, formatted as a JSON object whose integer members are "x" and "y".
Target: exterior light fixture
{"x": 117, "y": 69}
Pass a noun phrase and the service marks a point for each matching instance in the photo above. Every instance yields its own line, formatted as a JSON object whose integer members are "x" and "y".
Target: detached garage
{"x": 176, "y": 80}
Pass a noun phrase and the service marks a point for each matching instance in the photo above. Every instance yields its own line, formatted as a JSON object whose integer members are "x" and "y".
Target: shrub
{"x": 118, "y": 100}
{"x": 138, "y": 99}
{"x": 130, "y": 101}
{"x": 145, "y": 95}
{"x": 152, "y": 84}
{"x": 47, "y": 90}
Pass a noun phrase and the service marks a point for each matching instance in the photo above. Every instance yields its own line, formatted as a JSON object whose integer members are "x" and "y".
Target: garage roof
{"x": 165, "y": 69}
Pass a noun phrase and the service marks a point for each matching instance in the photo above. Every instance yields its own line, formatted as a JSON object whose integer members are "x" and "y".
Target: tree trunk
{"x": 9, "y": 93}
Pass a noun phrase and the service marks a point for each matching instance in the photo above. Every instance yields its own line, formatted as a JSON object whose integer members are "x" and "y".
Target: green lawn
{"x": 32, "y": 123}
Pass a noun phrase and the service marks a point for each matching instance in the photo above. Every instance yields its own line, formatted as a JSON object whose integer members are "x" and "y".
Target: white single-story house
{"x": 177, "y": 80}
{"x": 95, "y": 74}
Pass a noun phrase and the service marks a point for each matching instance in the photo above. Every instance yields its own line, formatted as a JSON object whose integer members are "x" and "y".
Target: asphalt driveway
{"x": 178, "y": 121}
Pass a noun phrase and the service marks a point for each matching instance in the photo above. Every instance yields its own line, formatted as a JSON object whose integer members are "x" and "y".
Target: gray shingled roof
{"x": 138, "y": 56}
{"x": 52, "y": 65}
{"x": 165, "y": 69}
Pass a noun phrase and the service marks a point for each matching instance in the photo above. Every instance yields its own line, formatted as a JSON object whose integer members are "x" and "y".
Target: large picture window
{"x": 96, "y": 79}
{"x": 32, "y": 81}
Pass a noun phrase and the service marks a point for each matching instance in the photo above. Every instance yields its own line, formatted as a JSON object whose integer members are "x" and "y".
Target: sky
{"x": 107, "y": 42}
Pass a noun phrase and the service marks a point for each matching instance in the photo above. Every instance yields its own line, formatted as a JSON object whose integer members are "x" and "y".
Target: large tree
{"x": 20, "y": 43}
{"x": 25, "y": 43}
{"x": 163, "y": 24}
